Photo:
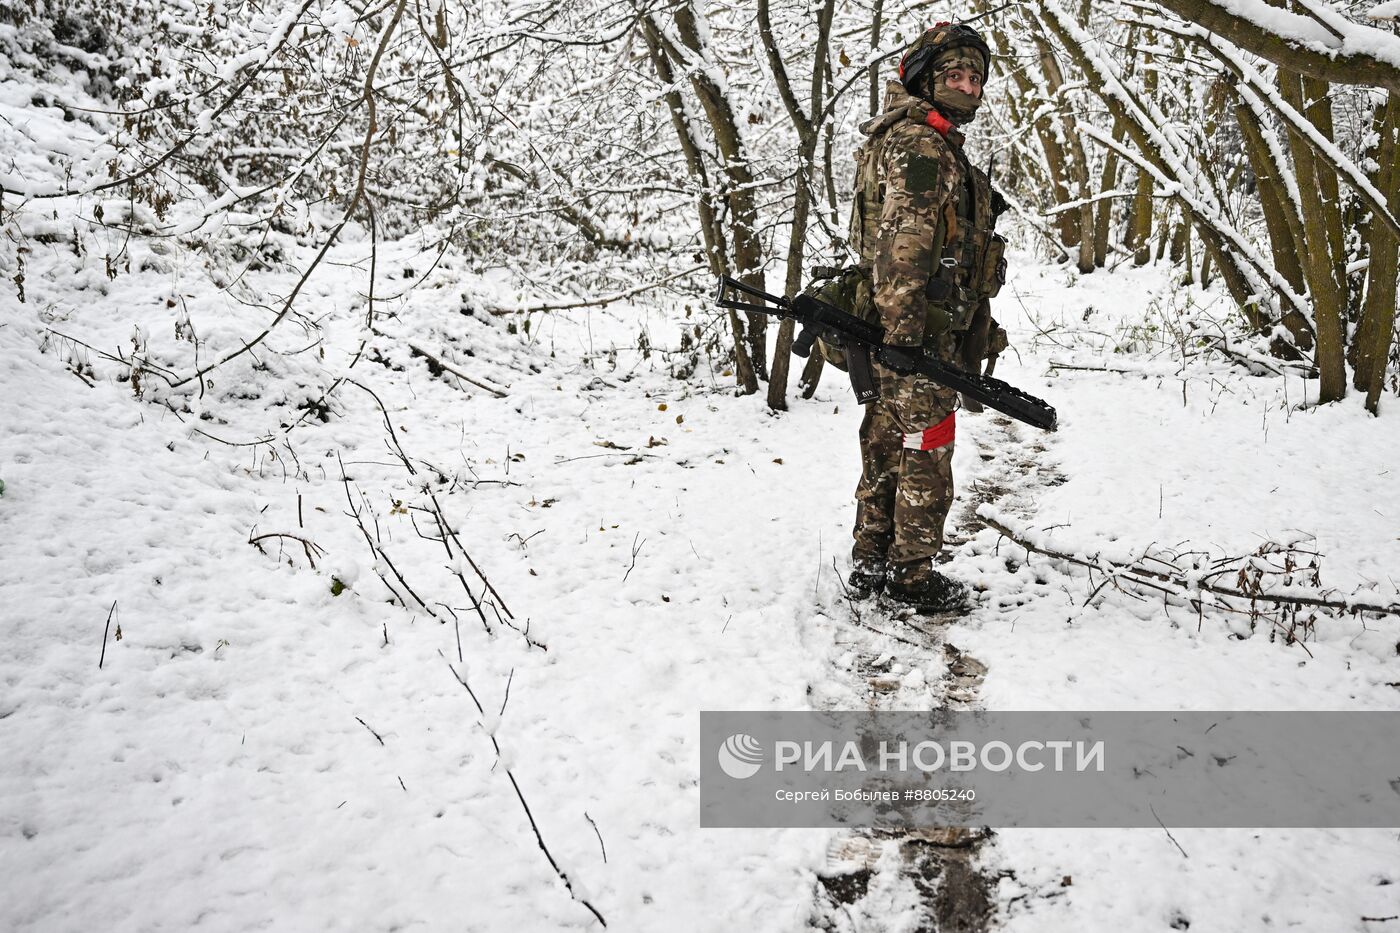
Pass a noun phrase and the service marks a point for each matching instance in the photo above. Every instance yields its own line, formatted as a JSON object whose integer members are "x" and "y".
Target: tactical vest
{"x": 971, "y": 264}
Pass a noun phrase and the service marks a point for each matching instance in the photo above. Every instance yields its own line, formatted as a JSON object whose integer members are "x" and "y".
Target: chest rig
{"x": 967, "y": 268}
{"x": 969, "y": 256}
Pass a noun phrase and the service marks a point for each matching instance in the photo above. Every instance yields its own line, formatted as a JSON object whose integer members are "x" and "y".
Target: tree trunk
{"x": 1143, "y": 204}
{"x": 1142, "y": 220}
{"x": 1244, "y": 272}
{"x": 1045, "y": 133}
{"x": 1280, "y": 214}
{"x": 1165, "y": 237}
{"x": 808, "y": 134}
{"x": 1103, "y": 219}
{"x": 743, "y": 212}
{"x": 1189, "y": 277}
{"x": 1320, "y": 217}
{"x": 1074, "y": 163}
{"x": 782, "y": 353}
{"x": 877, "y": 15}
{"x": 1374, "y": 332}
{"x": 711, "y": 230}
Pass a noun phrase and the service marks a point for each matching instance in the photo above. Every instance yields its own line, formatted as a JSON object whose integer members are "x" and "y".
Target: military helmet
{"x": 937, "y": 39}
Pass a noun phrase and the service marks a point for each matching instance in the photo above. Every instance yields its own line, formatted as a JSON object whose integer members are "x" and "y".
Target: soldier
{"x": 922, "y": 227}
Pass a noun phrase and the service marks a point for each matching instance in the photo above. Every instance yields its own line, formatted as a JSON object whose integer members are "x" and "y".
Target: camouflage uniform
{"x": 904, "y": 494}
{"x": 929, "y": 195}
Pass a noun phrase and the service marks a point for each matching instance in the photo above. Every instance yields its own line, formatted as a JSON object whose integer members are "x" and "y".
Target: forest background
{"x": 1249, "y": 143}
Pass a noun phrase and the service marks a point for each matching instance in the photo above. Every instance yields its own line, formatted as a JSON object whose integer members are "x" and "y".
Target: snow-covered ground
{"x": 1223, "y": 465}
{"x": 261, "y": 748}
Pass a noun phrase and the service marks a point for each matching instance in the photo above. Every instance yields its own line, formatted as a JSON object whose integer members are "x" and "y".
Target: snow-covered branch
{"x": 1338, "y": 51}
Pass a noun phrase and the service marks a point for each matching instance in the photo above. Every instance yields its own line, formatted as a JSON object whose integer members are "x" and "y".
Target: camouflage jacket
{"x": 930, "y": 223}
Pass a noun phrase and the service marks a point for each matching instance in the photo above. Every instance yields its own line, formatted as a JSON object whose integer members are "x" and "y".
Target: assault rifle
{"x": 861, "y": 340}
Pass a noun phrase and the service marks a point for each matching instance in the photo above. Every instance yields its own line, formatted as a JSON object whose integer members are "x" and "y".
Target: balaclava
{"x": 956, "y": 105}
{"x": 935, "y": 53}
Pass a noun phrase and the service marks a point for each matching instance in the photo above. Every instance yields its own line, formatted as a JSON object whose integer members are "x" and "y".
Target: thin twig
{"x": 1167, "y": 831}
{"x": 598, "y": 834}
{"x": 510, "y": 678}
{"x": 636, "y": 549}
{"x": 563, "y": 876}
{"x": 393, "y": 435}
{"x": 133, "y": 363}
{"x": 310, "y": 547}
{"x": 377, "y": 551}
{"x": 107, "y": 628}
{"x": 456, "y": 540}
{"x": 371, "y": 731}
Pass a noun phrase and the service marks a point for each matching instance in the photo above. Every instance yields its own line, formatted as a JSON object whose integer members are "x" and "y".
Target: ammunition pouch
{"x": 993, "y": 272}
{"x": 850, "y": 289}
{"x": 950, "y": 307}
{"x": 998, "y": 343}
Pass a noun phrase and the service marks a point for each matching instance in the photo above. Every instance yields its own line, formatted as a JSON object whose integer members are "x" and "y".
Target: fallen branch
{"x": 437, "y": 361}
{"x": 1094, "y": 369}
{"x": 1254, "y": 361}
{"x": 604, "y": 300}
{"x": 1177, "y": 582}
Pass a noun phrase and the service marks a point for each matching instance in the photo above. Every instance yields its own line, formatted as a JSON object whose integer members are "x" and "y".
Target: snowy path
{"x": 937, "y": 879}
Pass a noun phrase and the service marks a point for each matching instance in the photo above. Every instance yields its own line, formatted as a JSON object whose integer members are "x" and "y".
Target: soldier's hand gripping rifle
{"x": 861, "y": 340}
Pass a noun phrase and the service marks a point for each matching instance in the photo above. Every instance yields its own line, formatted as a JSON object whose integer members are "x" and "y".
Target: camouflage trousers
{"x": 905, "y": 493}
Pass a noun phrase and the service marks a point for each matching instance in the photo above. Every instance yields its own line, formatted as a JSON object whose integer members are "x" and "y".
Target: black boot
{"x": 867, "y": 577}
{"x": 929, "y": 592}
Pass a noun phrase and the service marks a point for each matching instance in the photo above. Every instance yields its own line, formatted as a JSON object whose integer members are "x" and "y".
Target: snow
{"x": 242, "y": 768}
{"x": 213, "y": 770}
{"x": 273, "y": 732}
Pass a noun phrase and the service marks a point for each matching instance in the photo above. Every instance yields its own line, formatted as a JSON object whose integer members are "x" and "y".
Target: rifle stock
{"x": 863, "y": 341}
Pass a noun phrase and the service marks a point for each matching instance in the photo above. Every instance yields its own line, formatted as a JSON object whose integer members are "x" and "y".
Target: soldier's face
{"x": 965, "y": 80}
